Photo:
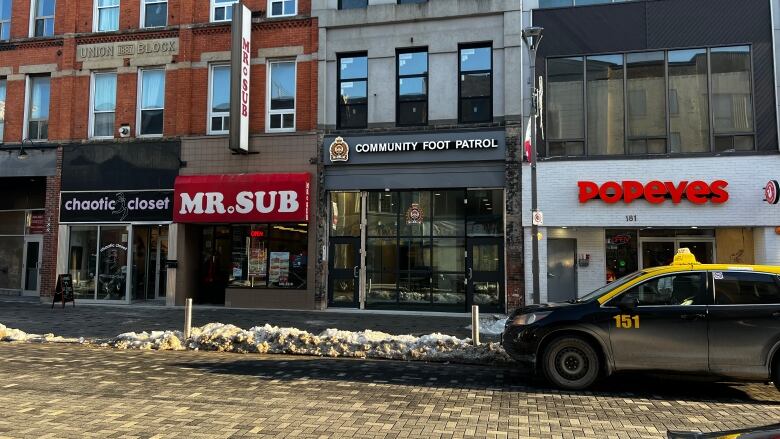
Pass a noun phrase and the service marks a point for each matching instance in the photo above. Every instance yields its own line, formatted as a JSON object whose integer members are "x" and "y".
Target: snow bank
{"x": 330, "y": 343}
{"x": 491, "y": 326}
{"x": 15, "y": 335}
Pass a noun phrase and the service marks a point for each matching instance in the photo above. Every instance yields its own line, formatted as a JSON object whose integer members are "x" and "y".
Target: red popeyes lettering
{"x": 655, "y": 191}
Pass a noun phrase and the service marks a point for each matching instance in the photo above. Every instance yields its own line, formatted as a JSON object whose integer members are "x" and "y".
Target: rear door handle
{"x": 693, "y": 316}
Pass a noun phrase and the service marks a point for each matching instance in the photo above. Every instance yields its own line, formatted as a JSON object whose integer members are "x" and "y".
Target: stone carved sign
{"x": 128, "y": 49}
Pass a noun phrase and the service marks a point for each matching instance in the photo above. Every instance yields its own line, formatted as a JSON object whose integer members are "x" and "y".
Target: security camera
{"x": 124, "y": 131}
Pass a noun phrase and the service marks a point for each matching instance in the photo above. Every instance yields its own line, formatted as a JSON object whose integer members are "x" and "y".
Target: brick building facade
{"x": 178, "y": 43}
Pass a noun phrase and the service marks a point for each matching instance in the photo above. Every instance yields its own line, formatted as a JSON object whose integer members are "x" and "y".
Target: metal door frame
{"x": 676, "y": 241}
{"x": 335, "y": 240}
{"x": 28, "y": 239}
{"x": 500, "y": 276}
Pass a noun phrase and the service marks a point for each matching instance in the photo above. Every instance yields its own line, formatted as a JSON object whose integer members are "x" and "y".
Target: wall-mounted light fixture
{"x": 22, "y": 153}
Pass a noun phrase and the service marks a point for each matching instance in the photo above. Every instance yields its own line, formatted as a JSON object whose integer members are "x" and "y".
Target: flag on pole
{"x": 527, "y": 142}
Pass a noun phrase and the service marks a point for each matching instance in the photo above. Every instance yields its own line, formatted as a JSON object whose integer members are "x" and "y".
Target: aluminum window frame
{"x": 5, "y": 23}
{"x": 210, "y": 114}
{"x": 144, "y": 3}
{"x": 399, "y": 77}
{"x": 139, "y": 103}
{"x": 92, "y": 110}
{"x": 28, "y": 108}
{"x": 96, "y": 15}
{"x": 476, "y": 45}
{"x": 270, "y": 9}
{"x": 34, "y": 18}
{"x": 667, "y": 98}
{"x": 339, "y": 80}
{"x": 213, "y": 10}
{"x": 269, "y": 112}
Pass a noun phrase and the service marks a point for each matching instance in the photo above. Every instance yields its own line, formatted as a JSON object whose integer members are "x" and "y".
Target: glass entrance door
{"x": 31, "y": 270}
{"x": 344, "y": 272}
{"x": 150, "y": 250}
{"x": 485, "y": 273}
{"x": 655, "y": 252}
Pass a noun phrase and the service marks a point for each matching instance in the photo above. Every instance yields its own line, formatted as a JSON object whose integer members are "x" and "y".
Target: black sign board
{"x": 116, "y": 207}
{"x": 64, "y": 290}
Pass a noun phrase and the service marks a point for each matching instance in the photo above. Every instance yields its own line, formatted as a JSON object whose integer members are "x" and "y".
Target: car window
{"x": 611, "y": 286}
{"x": 746, "y": 288}
{"x": 679, "y": 289}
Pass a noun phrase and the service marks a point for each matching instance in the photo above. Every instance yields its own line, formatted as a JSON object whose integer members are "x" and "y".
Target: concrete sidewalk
{"x": 103, "y": 321}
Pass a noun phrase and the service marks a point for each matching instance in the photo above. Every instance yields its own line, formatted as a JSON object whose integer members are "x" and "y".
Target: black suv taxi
{"x": 716, "y": 320}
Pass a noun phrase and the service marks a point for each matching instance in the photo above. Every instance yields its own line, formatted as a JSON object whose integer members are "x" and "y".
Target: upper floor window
{"x": 219, "y": 99}
{"x": 151, "y": 102}
{"x": 5, "y": 19}
{"x": 43, "y": 19}
{"x": 565, "y": 3}
{"x": 106, "y": 17}
{"x": 37, "y": 107}
{"x": 282, "y": 8}
{"x": 222, "y": 10}
{"x": 281, "y": 96}
{"x": 103, "y": 105}
{"x": 154, "y": 13}
{"x": 353, "y": 4}
{"x": 402, "y": 2}
{"x": 2, "y": 107}
{"x": 412, "y": 104}
{"x": 353, "y": 91}
{"x": 475, "y": 87}
{"x": 660, "y": 102}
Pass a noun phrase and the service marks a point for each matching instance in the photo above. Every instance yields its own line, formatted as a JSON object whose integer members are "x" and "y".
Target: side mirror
{"x": 628, "y": 303}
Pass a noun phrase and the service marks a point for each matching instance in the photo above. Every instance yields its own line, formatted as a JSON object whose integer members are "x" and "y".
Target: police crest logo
{"x": 414, "y": 215}
{"x": 339, "y": 150}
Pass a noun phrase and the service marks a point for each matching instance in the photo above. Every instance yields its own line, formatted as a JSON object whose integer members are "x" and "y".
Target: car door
{"x": 661, "y": 324}
{"x": 744, "y": 322}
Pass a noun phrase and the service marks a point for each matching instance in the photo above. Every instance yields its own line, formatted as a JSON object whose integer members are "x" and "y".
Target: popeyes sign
{"x": 655, "y": 192}
{"x": 242, "y": 198}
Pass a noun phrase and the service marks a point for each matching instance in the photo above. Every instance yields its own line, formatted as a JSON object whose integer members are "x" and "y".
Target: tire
{"x": 571, "y": 363}
{"x": 776, "y": 372}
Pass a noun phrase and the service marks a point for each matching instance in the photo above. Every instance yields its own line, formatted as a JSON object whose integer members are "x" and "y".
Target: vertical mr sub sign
{"x": 240, "y": 55}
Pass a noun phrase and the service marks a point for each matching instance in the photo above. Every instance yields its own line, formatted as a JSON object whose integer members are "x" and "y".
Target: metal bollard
{"x": 187, "y": 318}
{"x": 475, "y": 324}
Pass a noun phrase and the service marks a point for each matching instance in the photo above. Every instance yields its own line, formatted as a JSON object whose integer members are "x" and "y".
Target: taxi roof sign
{"x": 684, "y": 257}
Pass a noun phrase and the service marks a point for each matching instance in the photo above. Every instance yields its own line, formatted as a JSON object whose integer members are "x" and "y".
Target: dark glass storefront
{"x": 424, "y": 250}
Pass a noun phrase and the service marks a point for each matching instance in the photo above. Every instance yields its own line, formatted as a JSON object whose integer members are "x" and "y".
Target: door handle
{"x": 356, "y": 271}
{"x": 693, "y": 316}
{"x": 469, "y": 273}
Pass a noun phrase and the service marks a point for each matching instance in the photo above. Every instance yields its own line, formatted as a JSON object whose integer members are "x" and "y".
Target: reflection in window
{"x": 152, "y": 100}
{"x": 281, "y": 8}
{"x": 485, "y": 213}
{"x": 353, "y": 4}
{"x": 281, "y": 113}
{"x": 269, "y": 256}
{"x": 476, "y": 84}
{"x": 747, "y": 289}
{"x": 103, "y": 104}
{"x": 112, "y": 263}
{"x": 43, "y": 21}
{"x": 605, "y": 104}
{"x": 382, "y": 214}
{"x": 673, "y": 290}
{"x": 155, "y": 13}
{"x": 688, "y": 79}
{"x": 345, "y": 214}
{"x": 5, "y": 19}
{"x": 222, "y": 10}
{"x": 732, "y": 98}
{"x": 38, "y": 108}
{"x": 353, "y": 89}
{"x": 219, "y": 100}
{"x": 412, "y": 88}
{"x": 646, "y": 113}
{"x": 565, "y": 111}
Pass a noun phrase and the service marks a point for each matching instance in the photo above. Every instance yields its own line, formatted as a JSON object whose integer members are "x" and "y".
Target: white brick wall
{"x": 747, "y": 176}
{"x": 767, "y": 244}
{"x": 775, "y": 6}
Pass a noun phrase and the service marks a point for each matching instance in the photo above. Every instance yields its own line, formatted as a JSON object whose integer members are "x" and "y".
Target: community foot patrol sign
{"x": 339, "y": 150}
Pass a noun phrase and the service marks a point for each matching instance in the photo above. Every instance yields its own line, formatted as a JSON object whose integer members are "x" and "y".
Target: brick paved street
{"x": 73, "y": 391}
{"x": 108, "y": 321}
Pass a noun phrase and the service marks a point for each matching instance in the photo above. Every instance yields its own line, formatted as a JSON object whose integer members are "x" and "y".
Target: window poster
{"x": 280, "y": 268}
{"x": 257, "y": 259}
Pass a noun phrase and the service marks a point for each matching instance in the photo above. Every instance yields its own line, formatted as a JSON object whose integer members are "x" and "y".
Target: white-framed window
{"x": 282, "y": 8}
{"x": 5, "y": 19}
{"x": 154, "y": 13}
{"x": 36, "y": 108}
{"x": 42, "y": 18}
{"x": 102, "y": 106}
{"x": 2, "y": 107}
{"x": 222, "y": 10}
{"x": 151, "y": 102}
{"x": 106, "y": 16}
{"x": 219, "y": 99}
{"x": 281, "y": 96}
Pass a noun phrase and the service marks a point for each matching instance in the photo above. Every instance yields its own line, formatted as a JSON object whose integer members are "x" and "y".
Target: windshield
{"x": 611, "y": 286}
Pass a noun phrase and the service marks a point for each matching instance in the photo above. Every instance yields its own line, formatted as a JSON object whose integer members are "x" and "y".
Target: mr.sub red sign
{"x": 656, "y": 192}
{"x": 241, "y": 198}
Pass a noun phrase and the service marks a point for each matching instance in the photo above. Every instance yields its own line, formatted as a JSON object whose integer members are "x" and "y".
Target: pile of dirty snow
{"x": 330, "y": 343}
{"x": 15, "y": 335}
{"x": 491, "y": 326}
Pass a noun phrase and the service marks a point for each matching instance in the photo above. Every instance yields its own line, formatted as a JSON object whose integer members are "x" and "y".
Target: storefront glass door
{"x": 150, "y": 250}
{"x": 655, "y": 252}
{"x": 112, "y": 263}
{"x": 485, "y": 273}
{"x": 344, "y": 272}
{"x": 97, "y": 261}
{"x": 32, "y": 265}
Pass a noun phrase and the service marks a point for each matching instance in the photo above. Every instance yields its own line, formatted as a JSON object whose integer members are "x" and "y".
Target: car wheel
{"x": 571, "y": 363}
{"x": 776, "y": 373}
